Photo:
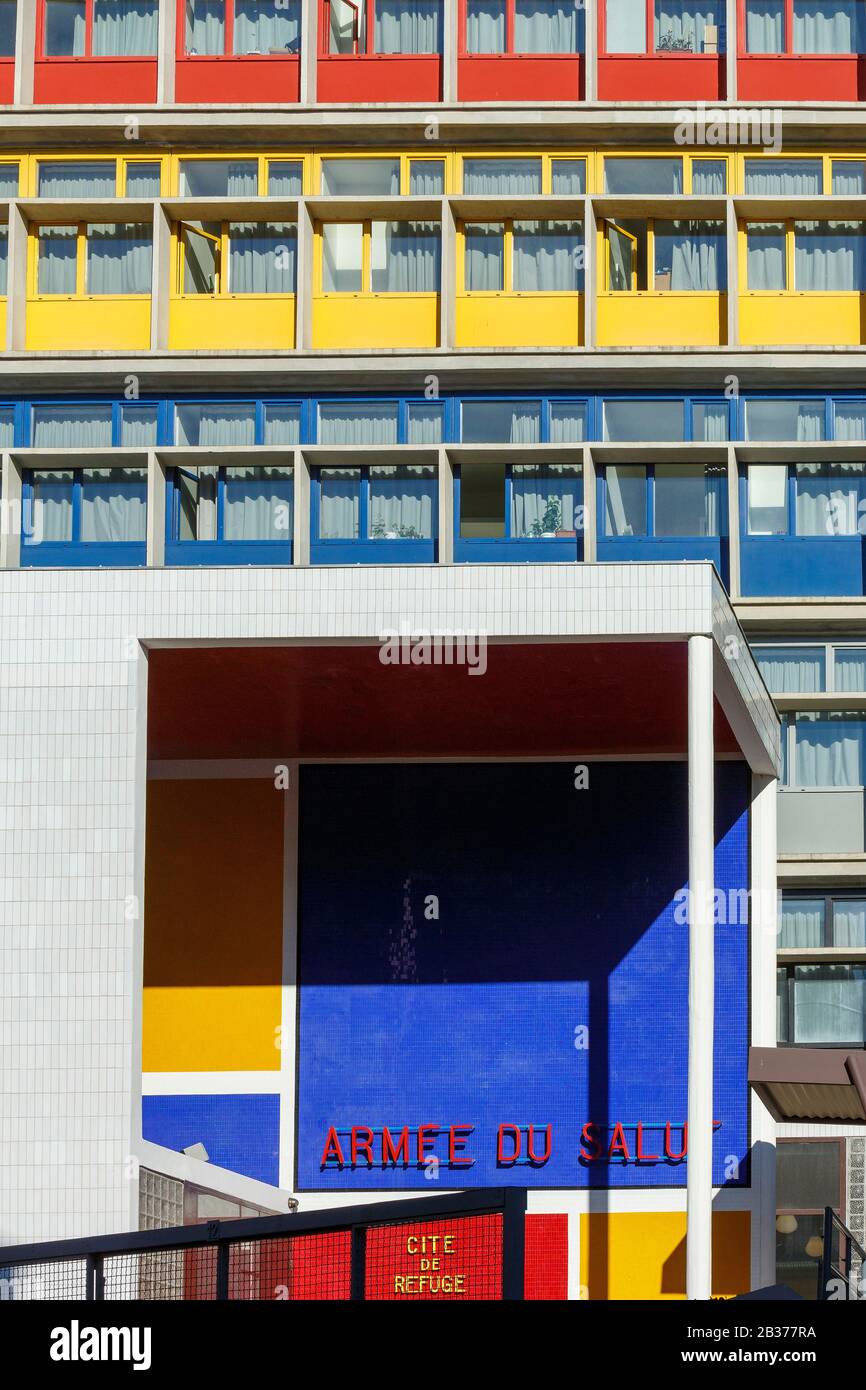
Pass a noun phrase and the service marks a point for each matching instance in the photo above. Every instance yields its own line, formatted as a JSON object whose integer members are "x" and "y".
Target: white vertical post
{"x": 25, "y": 55}
{"x": 731, "y": 47}
{"x": 449, "y": 51}
{"x": 309, "y": 50}
{"x": 699, "y": 1189}
{"x": 445, "y": 474}
{"x": 166, "y": 45}
{"x": 156, "y": 488}
{"x": 301, "y": 534}
{"x": 590, "y": 57}
{"x": 764, "y": 943}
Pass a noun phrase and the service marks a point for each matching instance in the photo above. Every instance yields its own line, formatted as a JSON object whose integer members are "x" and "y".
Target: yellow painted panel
{"x": 211, "y": 1029}
{"x": 669, "y": 319}
{"x": 102, "y": 321}
{"x": 2, "y": 325}
{"x": 232, "y": 322}
{"x": 375, "y": 320}
{"x": 803, "y": 319}
{"x": 520, "y": 320}
{"x": 642, "y": 1255}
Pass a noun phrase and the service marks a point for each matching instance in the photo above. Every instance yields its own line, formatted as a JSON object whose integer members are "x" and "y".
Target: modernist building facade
{"x": 325, "y": 322}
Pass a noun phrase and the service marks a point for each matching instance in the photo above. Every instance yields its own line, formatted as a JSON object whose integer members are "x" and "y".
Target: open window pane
{"x": 360, "y": 178}
{"x": 52, "y": 504}
{"x": 789, "y": 178}
{"x": 407, "y": 26}
{"x": 829, "y": 26}
{"x": 405, "y": 257}
{"x": 72, "y": 427}
{"x": 125, "y": 28}
{"x": 830, "y": 256}
{"x": 831, "y": 498}
{"x": 57, "y": 256}
{"x": 625, "y": 174}
{"x": 219, "y": 178}
{"x": 482, "y": 501}
{"x": 829, "y": 749}
{"x": 548, "y": 26}
{"x": 262, "y": 257}
{"x": 119, "y": 258}
{"x": 485, "y": 256}
{"x": 630, "y": 422}
{"x": 689, "y": 26}
{"x": 282, "y": 424}
{"x": 216, "y": 424}
{"x": 546, "y": 500}
{"x": 784, "y": 419}
{"x": 205, "y": 27}
{"x": 830, "y": 1004}
{"x": 113, "y": 504}
{"x": 690, "y": 256}
{"x": 65, "y": 24}
{"x": 401, "y": 502}
{"x": 548, "y": 256}
{"x": 485, "y": 26}
{"x": 801, "y": 923}
{"x": 372, "y": 422}
{"x": 625, "y": 512}
{"x": 339, "y": 503}
{"x": 765, "y": 26}
{"x": 285, "y": 178}
{"x": 424, "y": 422}
{"x": 258, "y": 504}
{"x": 342, "y": 257}
{"x": 502, "y": 177}
{"x": 768, "y": 499}
{"x": 77, "y": 178}
{"x": 849, "y": 668}
{"x": 138, "y": 425}
{"x": 201, "y": 257}
{"x": 267, "y": 26}
{"x": 766, "y": 265}
{"x": 791, "y": 670}
{"x": 567, "y": 422}
{"x": 689, "y": 499}
{"x": 347, "y": 26}
{"x": 8, "y": 20}
{"x": 625, "y": 26}
{"x": 501, "y": 422}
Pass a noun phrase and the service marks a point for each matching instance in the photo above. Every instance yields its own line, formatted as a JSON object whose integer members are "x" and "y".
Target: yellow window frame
{"x": 404, "y": 157}
{"x": 223, "y": 241}
{"x": 28, "y": 170}
{"x": 603, "y": 245}
{"x": 546, "y": 157}
{"x": 717, "y": 154}
{"x": 743, "y": 261}
{"x": 507, "y": 224}
{"x": 786, "y": 155}
{"x": 366, "y": 291}
{"x": 81, "y": 291}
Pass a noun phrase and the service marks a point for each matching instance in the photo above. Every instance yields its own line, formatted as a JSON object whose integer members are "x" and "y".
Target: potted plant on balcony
{"x": 548, "y": 524}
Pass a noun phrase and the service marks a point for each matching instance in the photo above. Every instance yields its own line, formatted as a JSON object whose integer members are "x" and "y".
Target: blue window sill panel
{"x": 652, "y": 548}
{"x": 511, "y": 552}
{"x": 802, "y": 566}
{"x": 399, "y": 552}
{"x": 228, "y": 552}
{"x": 83, "y": 554}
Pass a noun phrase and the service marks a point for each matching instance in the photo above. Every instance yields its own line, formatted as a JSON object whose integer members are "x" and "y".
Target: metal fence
{"x": 843, "y": 1262}
{"x": 466, "y": 1246}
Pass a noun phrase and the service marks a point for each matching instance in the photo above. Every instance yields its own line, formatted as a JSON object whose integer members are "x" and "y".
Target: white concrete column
{"x": 16, "y": 281}
{"x": 733, "y": 483}
{"x": 25, "y": 53}
{"x": 309, "y": 50}
{"x": 304, "y": 289}
{"x": 591, "y": 279}
{"x": 166, "y": 52}
{"x": 160, "y": 303}
{"x": 699, "y": 1190}
{"x": 448, "y": 277}
{"x": 301, "y": 490}
{"x": 156, "y": 489}
{"x": 733, "y": 290}
{"x": 765, "y": 928}
{"x": 449, "y": 50}
{"x": 12, "y": 520}
{"x": 446, "y": 509}
{"x": 590, "y": 85}
{"x": 731, "y": 49}
{"x": 590, "y": 511}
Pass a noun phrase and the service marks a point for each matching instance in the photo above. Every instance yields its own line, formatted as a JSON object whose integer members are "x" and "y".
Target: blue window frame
{"x": 84, "y": 516}
{"x": 345, "y": 423}
{"x": 95, "y": 424}
{"x": 802, "y": 528}
{"x": 518, "y": 512}
{"x": 661, "y": 511}
{"x": 375, "y": 514}
{"x": 233, "y": 514}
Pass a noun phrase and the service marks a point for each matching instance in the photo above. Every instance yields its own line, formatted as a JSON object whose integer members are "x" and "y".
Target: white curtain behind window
{"x": 765, "y": 257}
{"x": 406, "y": 26}
{"x": 544, "y": 498}
{"x": 849, "y": 923}
{"x": 74, "y": 180}
{"x": 848, "y": 177}
{"x": 548, "y": 26}
{"x": 547, "y": 256}
{"x": 401, "y": 503}
{"x": 119, "y": 258}
{"x": 113, "y": 504}
{"x": 258, "y": 503}
{"x": 485, "y": 257}
{"x": 216, "y": 424}
{"x": 205, "y": 26}
{"x": 765, "y": 20}
{"x": 828, "y": 26}
{"x": 365, "y": 423}
{"x": 125, "y": 27}
{"x": 138, "y": 425}
{"x": 784, "y": 178}
{"x": 567, "y": 422}
{"x": 502, "y": 177}
{"x": 829, "y": 751}
{"x": 262, "y": 258}
{"x": 267, "y": 26}
{"x": 829, "y": 256}
{"x": 72, "y": 427}
{"x": 680, "y": 24}
{"x": 694, "y": 252}
{"x": 485, "y": 26}
{"x": 829, "y": 1004}
{"x": 850, "y": 668}
{"x": 829, "y": 498}
{"x": 339, "y": 503}
{"x": 405, "y": 257}
{"x": 801, "y": 923}
{"x": 850, "y": 421}
{"x": 424, "y": 424}
{"x": 786, "y": 672}
{"x": 52, "y": 505}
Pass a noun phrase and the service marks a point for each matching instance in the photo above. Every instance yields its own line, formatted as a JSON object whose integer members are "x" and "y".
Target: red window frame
{"x": 508, "y": 51}
{"x": 228, "y": 40}
{"x": 650, "y": 51}
{"x": 787, "y": 39}
{"x": 368, "y": 6}
{"x": 88, "y": 55}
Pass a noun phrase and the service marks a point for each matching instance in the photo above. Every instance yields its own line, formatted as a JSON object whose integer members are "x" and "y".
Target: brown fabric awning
{"x": 810, "y": 1084}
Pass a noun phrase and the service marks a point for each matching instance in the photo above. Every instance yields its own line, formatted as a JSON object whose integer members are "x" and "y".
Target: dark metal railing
{"x": 843, "y": 1262}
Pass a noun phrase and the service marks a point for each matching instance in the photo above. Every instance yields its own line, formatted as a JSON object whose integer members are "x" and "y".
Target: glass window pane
{"x": 257, "y": 504}
{"x": 205, "y": 27}
{"x": 426, "y": 178}
{"x": 709, "y": 177}
{"x": 262, "y": 257}
{"x": 7, "y": 429}
{"x": 501, "y": 422}
{"x": 548, "y": 257}
{"x": 501, "y": 177}
{"x": 710, "y": 421}
{"x": 643, "y": 421}
{"x": 829, "y": 747}
{"x": 138, "y": 425}
{"x": 8, "y": 9}
{"x": 267, "y": 26}
{"x": 625, "y": 26}
{"x": 546, "y": 500}
{"x": 77, "y": 179}
{"x": 808, "y": 1175}
{"x": 8, "y": 180}
{"x": 849, "y": 420}
{"x": 485, "y": 26}
{"x": 201, "y": 256}
{"x": 766, "y": 263}
{"x": 282, "y": 424}
{"x": 568, "y": 176}
{"x": 360, "y": 178}
{"x": 405, "y": 257}
{"x": 373, "y": 422}
{"x": 782, "y": 1005}
{"x": 72, "y": 427}
{"x": 801, "y": 922}
{"x": 482, "y": 501}
{"x": 339, "y": 503}
{"x": 849, "y": 922}
{"x": 485, "y": 256}
{"x": 830, "y": 256}
{"x": 784, "y": 419}
{"x": 690, "y": 256}
{"x": 792, "y": 670}
{"x": 689, "y": 26}
{"x": 849, "y": 668}
{"x": 401, "y": 502}
{"x": 187, "y": 486}
{"x": 407, "y": 26}
{"x": 125, "y": 28}
{"x": 216, "y": 424}
{"x": 65, "y": 22}
{"x": 768, "y": 499}
{"x": 625, "y": 512}
{"x": 828, "y": 26}
{"x": 347, "y": 27}
{"x": 830, "y": 498}
{"x": 829, "y": 1004}
{"x": 52, "y": 504}
{"x": 548, "y": 26}
{"x": 848, "y": 176}
{"x": 765, "y": 26}
{"x": 342, "y": 257}
{"x": 285, "y": 178}
{"x": 142, "y": 180}
{"x": 113, "y": 504}
{"x": 567, "y": 422}
{"x": 623, "y": 174}
{"x": 689, "y": 500}
{"x": 424, "y": 422}
{"x": 119, "y": 258}
{"x": 219, "y": 178}
{"x": 784, "y": 177}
